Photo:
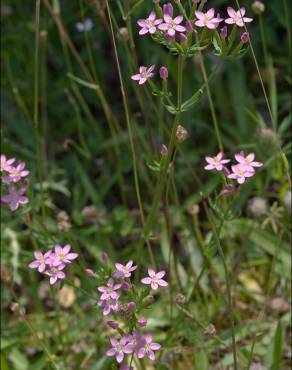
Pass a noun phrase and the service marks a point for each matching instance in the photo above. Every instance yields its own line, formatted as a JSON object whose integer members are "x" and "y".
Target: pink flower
{"x": 237, "y": 17}
{"x": 62, "y": 255}
{"x": 244, "y": 37}
{"x": 154, "y": 279}
{"x": 112, "y": 324}
{"x": 119, "y": 348}
{"x": 248, "y": 161}
{"x": 142, "y": 321}
{"x": 207, "y": 19}
{"x": 41, "y": 260}
{"x": 14, "y": 197}
{"x": 89, "y": 272}
{"x": 216, "y": 162}
{"x": 125, "y": 271}
{"x": 172, "y": 25}
{"x": 55, "y": 273}
{"x": 108, "y": 305}
{"x": 16, "y": 173}
{"x": 223, "y": 32}
{"x": 6, "y": 163}
{"x": 240, "y": 172}
{"x": 143, "y": 74}
{"x": 109, "y": 291}
{"x": 125, "y": 367}
{"x": 149, "y": 25}
{"x": 148, "y": 348}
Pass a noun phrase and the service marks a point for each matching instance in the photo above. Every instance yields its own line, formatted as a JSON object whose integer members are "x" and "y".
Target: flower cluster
{"x": 122, "y": 298}
{"x": 13, "y": 176}
{"x": 243, "y": 169}
{"x": 175, "y": 30}
{"x": 52, "y": 263}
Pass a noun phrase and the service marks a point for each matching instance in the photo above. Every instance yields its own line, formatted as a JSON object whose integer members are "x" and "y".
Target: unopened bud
{"x": 142, "y": 322}
{"x": 104, "y": 256}
{"x": 182, "y": 38}
{"x": 258, "y": 7}
{"x": 189, "y": 26}
{"x": 168, "y": 9}
{"x": 181, "y": 134}
{"x": 245, "y": 37}
{"x": 112, "y": 324}
{"x": 163, "y": 73}
{"x": 163, "y": 150}
{"x": 223, "y": 32}
{"x": 131, "y": 306}
{"x": 89, "y": 272}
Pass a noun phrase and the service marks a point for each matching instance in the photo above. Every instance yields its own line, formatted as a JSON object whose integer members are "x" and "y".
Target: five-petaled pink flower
{"x": 207, "y": 19}
{"x": 216, "y": 163}
{"x": 154, "y": 279}
{"x": 248, "y": 161}
{"x": 6, "y": 163}
{"x": 120, "y": 348}
{"x": 108, "y": 305}
{"x": 171, "y": 26}
{"x": 149, "y": 25}
{"x": 55, "y": 273}
{"x": 148, "y": 348}
{"x": 14, "y": 197}
{"x": 16, "y": 173}
{"x": 240, "y": 172}
{"x": 63, "y": 255}
{"x": 109, "y": 291}
{"x": 237, "y": 17}
{"x": 41, "y": 260}
{"x": 144, "y": 74}
{"x": 125, "y": 271}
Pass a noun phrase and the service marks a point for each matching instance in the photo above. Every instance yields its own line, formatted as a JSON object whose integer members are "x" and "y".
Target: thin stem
{"x": 263, "y": 37}
{"x": 282, "y": 154}
{"x": 227, "y": 280}
{"x": 287, "y": 20}
{"x": 212, "y": 108}
{"x": 36, "y": 105}
{"x": 129, "y": 126}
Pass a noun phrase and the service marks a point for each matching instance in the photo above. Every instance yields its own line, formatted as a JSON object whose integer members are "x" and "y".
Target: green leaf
{"x": 82, "y": 82}
{"x": 201, "y": 361}
{"x": 277, "y": 350}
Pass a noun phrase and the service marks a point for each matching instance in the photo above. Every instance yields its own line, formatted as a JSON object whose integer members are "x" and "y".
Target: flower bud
{"x": 104, "y": 256}
{"x": 131, "y": 306}
{"x": 223, "y": 32}
{"x": 189, "y": 26}
{"x": 245, "y": 37}
{"x": 170, "y": 38}
{"x": 163, "y": 72}
{"x": 142, "y": 322}
{"x": 258, "y": 7}
{"x": 180, "y": 299}
{"x": 168, "y": 9}
{"x": 149, "y": 299}
{"x": 112, "y": 324}
{"x": 163, "y": 150}
{"x": 89, "y": 272}
{"x": 182, "y": 38}
{"x": 181, "y": 134}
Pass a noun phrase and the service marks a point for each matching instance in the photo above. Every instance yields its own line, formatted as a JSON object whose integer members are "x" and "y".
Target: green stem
{"x": 263, "y": 37}
{"x": 227, "y": 280}
{"x": 282, "y": 154}
{"x": 36, "y": 106}
{"x": 129, "y": 126}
